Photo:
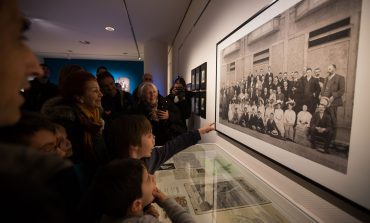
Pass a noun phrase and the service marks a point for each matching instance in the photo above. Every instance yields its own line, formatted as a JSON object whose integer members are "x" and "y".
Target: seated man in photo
{"x": 321, "y": 126}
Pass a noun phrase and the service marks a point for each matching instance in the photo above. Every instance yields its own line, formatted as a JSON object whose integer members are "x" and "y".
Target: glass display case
{"x": 214, "y": 187}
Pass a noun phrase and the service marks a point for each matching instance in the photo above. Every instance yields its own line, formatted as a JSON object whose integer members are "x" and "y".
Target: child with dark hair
{"x": 123, "y": 188}
{"x": 131, "y": 136}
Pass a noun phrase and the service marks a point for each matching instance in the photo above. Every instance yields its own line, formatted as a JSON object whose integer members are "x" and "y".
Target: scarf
{"x": 92, "y": 123}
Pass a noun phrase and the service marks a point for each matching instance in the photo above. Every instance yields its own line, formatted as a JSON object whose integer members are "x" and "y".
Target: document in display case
{"x": 214, "y": 187}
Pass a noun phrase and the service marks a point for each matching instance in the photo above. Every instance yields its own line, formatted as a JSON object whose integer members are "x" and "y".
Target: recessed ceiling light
{"x": 109, "y": 28}
{"x": 139, "y": 58}
{"x": 84, "y": 42}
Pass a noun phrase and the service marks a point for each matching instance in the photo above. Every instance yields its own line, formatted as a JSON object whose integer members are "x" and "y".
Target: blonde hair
{"x": 144, "y": 85}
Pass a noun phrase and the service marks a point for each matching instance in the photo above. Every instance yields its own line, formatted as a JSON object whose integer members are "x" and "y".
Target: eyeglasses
{"x": 62, "y": 144}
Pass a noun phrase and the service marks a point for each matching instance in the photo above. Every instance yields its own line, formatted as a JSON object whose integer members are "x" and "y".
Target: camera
{"x": 162, "y": 104}
{"x": 180, "y": 91}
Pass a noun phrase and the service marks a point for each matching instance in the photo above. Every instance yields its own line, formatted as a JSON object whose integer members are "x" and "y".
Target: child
{"x": 123, "y": 188}
{"x": 131, "y": 136}
{"x": 271, "y": 127}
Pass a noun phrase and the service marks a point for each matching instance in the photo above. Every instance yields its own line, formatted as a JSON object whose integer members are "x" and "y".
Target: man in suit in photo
{"x": 310, "y": 91}
{"x": 333, "y": 88}
{"x": 321, "y": 126}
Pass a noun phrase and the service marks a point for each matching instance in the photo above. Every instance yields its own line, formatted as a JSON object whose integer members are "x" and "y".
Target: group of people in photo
{"x": 300, "y": 106}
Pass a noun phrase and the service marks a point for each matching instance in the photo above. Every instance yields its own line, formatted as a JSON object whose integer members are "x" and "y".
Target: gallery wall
{"x": 133, "y": 70}
{"x": 196, "y": 44}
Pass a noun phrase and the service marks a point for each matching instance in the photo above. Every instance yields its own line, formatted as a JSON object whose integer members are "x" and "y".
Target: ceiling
{"x": 59, "y": 26}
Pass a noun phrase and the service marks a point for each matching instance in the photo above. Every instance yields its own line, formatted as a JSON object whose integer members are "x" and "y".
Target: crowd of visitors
{"x": 83, "y": 151}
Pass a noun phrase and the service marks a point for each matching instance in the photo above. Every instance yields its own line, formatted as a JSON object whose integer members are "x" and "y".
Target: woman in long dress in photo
{"x": 303, "y": 126}
{"x": 279, "y": 118}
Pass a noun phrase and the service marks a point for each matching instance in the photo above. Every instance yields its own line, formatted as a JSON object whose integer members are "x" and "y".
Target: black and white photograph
{"x": 222, "y": 195}
{"x": 289, "y": 83}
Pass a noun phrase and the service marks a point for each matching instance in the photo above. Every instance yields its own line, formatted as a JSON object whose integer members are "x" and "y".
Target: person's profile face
{"x": 92, "y": 95}
{"x": 331, "y": 69}
{"x": 147, "y": 187}
{"x": 16, "y": 60}
{"x": 108, "y": 86}
{"x": 44, "y": 141}
{"x": 64, "y": 144}
{"x": 147, "y": 144}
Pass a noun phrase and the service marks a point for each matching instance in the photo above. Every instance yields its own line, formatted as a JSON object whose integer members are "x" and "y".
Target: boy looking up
{"x": 123, "y": 188}
{"x": 131, "y": 136}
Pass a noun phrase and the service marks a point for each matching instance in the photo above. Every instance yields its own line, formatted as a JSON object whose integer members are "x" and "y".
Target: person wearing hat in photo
{"x": 271, "y": 127}
{"x": 289, "y": 120}
{"x": 333, "y": 88}
{"x": 279, "y": 117}
{"x": 321, "y": 126}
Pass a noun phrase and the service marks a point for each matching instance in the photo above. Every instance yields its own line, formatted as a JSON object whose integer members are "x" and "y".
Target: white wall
{"x": 196, "y": 45}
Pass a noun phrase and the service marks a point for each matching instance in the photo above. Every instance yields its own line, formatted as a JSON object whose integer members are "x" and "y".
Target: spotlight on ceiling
{"x": 109, "y": 28}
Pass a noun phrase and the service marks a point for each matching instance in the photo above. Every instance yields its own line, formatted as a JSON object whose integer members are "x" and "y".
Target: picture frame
{"x": 203, "y": 76}
{"x": 252, "y": 50}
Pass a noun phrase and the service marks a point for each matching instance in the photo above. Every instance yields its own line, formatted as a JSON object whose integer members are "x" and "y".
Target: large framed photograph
{"x": 287, "y": 87}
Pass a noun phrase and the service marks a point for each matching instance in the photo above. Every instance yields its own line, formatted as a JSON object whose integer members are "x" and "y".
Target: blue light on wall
{"x": 133, "y": 70}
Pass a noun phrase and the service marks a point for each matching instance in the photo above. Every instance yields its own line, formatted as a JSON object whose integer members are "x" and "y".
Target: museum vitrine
{"x": 214, "y": 187}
